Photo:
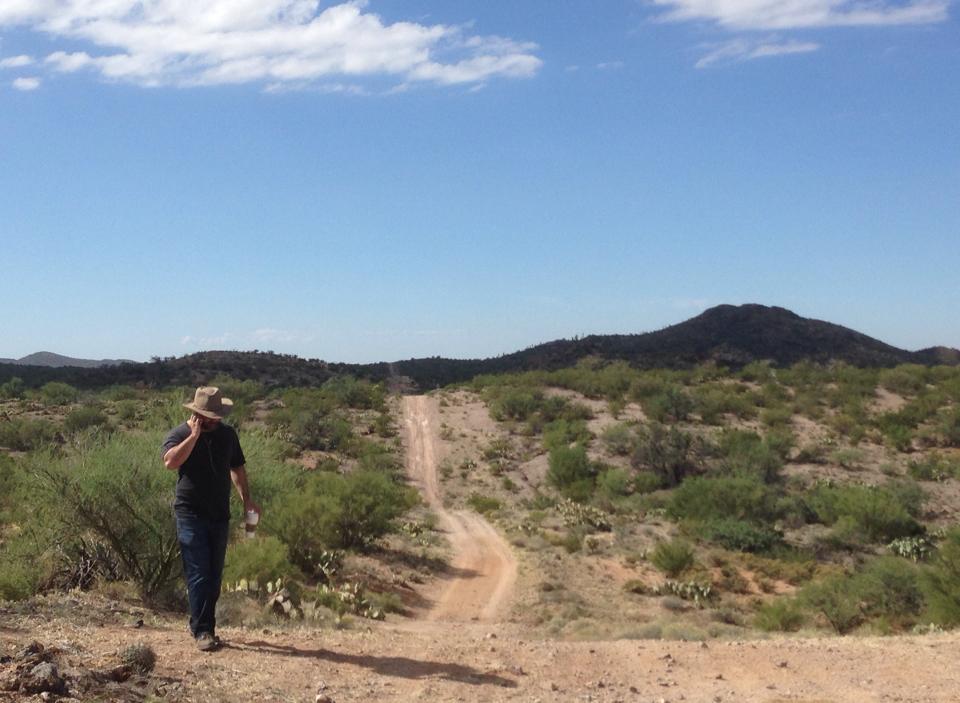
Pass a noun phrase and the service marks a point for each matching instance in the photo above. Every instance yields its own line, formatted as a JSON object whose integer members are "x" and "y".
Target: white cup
{"x": 250, "y": 523}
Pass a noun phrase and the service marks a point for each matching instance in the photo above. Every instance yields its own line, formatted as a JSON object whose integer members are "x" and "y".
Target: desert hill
{"x": 45, "y": 358}
{"x": 726, "y": 334}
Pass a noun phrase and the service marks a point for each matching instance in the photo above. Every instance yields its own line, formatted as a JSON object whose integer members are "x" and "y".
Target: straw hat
{"x": 208, "y": 402}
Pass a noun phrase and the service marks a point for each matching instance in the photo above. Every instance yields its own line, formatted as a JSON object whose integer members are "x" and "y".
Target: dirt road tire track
{"x": 484, "y": 569}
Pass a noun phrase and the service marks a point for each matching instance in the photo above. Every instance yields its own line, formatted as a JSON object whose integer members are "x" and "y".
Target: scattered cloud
{"x": 276, "y": 42}
{"x": 610, "y": 65}
{"x": 803, "y": 14}
{"x": 26, "y": 83}
{"x": 749, "y": 16}
{"x": 16, "y": 61}
{"x": 742, "y": 49}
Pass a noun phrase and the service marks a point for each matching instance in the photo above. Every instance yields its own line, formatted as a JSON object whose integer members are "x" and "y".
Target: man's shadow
{"x": 385, "y": 666}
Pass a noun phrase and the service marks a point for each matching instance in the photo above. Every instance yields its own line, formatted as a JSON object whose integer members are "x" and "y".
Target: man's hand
{"x": 196, "y": 427}
{"x": 250, "y": 505}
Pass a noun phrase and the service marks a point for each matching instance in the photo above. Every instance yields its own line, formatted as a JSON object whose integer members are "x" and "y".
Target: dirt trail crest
{"x": 484, "y": 568}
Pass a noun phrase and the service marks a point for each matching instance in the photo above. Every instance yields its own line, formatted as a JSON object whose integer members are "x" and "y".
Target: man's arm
{"x": 239, "y": 477}
{"x": 175, "y": 456}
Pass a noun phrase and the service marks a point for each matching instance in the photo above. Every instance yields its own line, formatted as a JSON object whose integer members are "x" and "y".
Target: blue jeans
{"x": 203, "y": 546}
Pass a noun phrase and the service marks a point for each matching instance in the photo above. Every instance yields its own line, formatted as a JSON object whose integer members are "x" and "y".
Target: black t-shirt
{"x": 203, "y": 481}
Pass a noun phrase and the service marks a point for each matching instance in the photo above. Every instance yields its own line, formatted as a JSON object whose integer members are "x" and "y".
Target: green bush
{"x": 263, "y": 559}
{"x": 723, "y": 498}
{"x": 58, "y": 393}
{"x": 780, "y": 615}
{"x": 668, "y": 452}
{"x": 740, "y": 535}
{"x": 941, "y": 582}
{"x": 673, "y": 557}
{"x": 744, "y": 452}
{"x": 906, "y": 379}
{"x": 19, "y": 575}
{"x": 934, "y": 467}
{"x": 350, "y": 392}
{"x": 12, "y": 389}
{"x": 614, "y": 483}
{"x": 562, "y": 433}
{"x": 571, "y": 472}
{"x": 619, "y": 439}
{"x": 84, "y": 417}
{"x": 887, "y": 589}
{"x": 116, "y": 489}
{"x": 515, "y": 404}
{"x": 949, "y": 427}
{"x": 837, "y": 600}
{"x": 25, "y": 434}
{"x": 674, "y": 404}
{"x": 346, "y": 512}
{"x": 877, "y": 514}
{"x": 483, "y": 504}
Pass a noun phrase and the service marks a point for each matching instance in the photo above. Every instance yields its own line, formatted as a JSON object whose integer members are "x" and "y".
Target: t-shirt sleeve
{"x": 237, "y": 458}
{"x": 174, "y": 437}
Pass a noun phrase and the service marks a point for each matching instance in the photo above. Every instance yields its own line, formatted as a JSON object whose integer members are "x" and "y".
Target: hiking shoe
{"x": 207, "y": 642}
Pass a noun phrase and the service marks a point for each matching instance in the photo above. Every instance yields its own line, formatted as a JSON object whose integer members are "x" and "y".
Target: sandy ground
{"x": 460, "y": 647}
{"x": 483, "y": 567}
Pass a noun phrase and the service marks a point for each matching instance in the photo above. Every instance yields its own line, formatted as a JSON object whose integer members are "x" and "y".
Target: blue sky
{"x": 381, "y": 180}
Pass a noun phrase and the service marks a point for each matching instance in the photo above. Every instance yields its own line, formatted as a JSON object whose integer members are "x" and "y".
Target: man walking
{"x": 207, "y": 455}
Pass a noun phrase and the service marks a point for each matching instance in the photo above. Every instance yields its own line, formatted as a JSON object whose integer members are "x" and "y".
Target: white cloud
{"x": 801, "y": 14}
{"x": 610, "y": 65}
{"x": 16, "y": 61}
{"x": 277, "y": 42}
{"x": 26, "y": 83}
{"x": 742, "y": 49}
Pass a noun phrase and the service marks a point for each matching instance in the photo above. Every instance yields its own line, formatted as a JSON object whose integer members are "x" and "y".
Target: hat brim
{"x": 226, "y": 405}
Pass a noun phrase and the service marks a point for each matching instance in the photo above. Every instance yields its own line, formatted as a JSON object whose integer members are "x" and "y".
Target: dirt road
{"x": 483, "y": 570}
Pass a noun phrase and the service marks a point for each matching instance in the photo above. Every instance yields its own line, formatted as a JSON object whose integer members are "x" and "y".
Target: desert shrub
{"x": 780, "y": 615}
{"x": 890, "y": 588}
{"x": 668, "y": 452}
{"x": 562, "y": 433}
{"x": 934, "y": 467}
{"x": 673, "y": 404}
{"x": 614, "y": 483}
{"x": 483, "y": 504}
{"x": 350, "y": 392}
{"x": 515, "y": 404}
{"x": 263, "y": 559}
{"x": 571, "y": 472}
{"x": 906, "y": 379}
{"x": 116, "y": 393}
{"x": 848, "y": 457}
{"x": 647, "y": 482}
{"x": 84, "y": 417}
{"x": 878, "y": 514}
{"x": 619, "y": 439}
{"x": 673, "y": 557}
{"x": 138, "y": 657}
{"x": 722, "y": 498}
{"x": 646, "y": 386}
{"x": 12, "y": 389}
{"x": 333, "y": 511}
{"x": 58, "y": 393}
{"x": 941, "y": 582}
{"x": 778, "y": 416}
{"x": 115, "y": 489}
{"x": 948, "y": 427}
{"x": 758, "y": 372}
{"x": 19, "y": 573}
{"x": 25, "y": 434}
{"x": 740, "y": 535}
{"x": 744, "y": 452}
{"x": 127, "y": 410}
{"x": 835, "y": 599}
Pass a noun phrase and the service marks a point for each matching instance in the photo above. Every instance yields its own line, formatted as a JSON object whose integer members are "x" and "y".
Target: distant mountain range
{"x": 727, "y": 335}
{"x": 57, "y": 360}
